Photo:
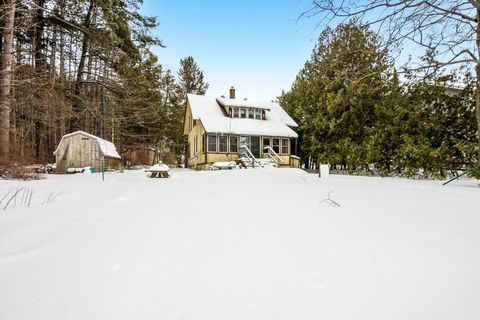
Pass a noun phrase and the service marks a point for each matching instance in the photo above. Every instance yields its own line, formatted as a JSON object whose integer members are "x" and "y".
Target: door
{"x": 255, "y": 146}
{"x": 245, "y": 142}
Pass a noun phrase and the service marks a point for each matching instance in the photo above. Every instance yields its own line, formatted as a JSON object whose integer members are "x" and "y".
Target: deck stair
{"x": 247, "y": 159}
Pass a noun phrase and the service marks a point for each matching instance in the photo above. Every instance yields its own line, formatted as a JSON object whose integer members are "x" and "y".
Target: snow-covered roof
{"x": 107, "y": 148}
{"x": 208, "y": 110}
{"x": 243, "y": 103}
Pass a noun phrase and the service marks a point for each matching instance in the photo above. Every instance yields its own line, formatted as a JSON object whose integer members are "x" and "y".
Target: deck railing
{"x": 273, "y": 155}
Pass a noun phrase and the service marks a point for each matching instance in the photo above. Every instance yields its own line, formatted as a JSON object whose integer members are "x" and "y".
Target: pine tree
{"x": 191, "y": 78}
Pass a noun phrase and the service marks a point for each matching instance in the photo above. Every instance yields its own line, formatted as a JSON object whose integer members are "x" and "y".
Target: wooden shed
{"x": 80, "y": 149}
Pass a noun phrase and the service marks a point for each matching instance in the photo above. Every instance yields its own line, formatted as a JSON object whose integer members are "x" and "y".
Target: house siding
{"x": 196, "y": 135}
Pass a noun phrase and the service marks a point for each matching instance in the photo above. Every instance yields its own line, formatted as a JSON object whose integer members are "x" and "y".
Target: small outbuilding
{"x": 140, "y": 156}
{"x": 80, "y": 149}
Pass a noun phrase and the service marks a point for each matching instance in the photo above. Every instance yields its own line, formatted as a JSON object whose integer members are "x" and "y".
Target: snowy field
{"x": 247, "y": 244}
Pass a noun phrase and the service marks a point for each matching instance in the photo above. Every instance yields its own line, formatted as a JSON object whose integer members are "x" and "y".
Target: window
{"x": 243, "y": 113}
{"x": 251, "y": 113}
{"x": 233, "y": 144}
{"x": 203, "y": 143}
{"x": 266, "y": 142}
{"x": 258, "y": 114}
{"x": 293, "y": 147}
{"x": 236, "y": 113}
{"x": 222, "y": 143}
{"x": 276, "y": 145}
{"x": 285, "y": 146}
{"x": 212, "y": 143}
{"x": 195, "y": 143}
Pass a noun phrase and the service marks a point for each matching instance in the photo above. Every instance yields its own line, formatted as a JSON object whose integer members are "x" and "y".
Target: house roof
{"x": 208, "y": 110}
{"x": 243, "y": 103}
{"x": 107, "y": 148}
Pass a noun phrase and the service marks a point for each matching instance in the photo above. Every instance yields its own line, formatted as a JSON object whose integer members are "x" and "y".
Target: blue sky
{"x": 258, "y": 46}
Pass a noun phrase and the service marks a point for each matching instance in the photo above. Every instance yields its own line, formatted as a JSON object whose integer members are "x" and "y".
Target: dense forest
{"x": 357, "y": 112}
{"x": 87, "y": 65}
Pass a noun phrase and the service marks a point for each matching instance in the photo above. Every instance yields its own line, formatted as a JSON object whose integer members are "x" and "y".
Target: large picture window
{"x": 212, "y": 143}
{"x": 285, "y": 146}
{"x": 276, "y": 145}
{"x": 222, "y": 143}
{"x": 233, "y": 144}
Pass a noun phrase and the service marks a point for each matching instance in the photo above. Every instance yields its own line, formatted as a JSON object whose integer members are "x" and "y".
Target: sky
{"x": 257, "y": 46}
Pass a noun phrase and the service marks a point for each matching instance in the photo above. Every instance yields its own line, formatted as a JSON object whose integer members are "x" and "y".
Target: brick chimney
{"x": 232, "y": 92}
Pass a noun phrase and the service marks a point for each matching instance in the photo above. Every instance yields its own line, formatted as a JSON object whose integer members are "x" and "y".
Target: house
{"x": 80, "y": 149}
{"x": 250, "y": 133}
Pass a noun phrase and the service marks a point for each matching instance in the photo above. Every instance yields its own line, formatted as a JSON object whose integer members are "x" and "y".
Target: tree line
{"x": 70, "y": 65}
{"x": 357, "y": 112}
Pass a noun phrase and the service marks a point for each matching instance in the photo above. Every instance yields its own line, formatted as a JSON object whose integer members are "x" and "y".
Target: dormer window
{"x": 247, "y": 113}
{"x": 243, "y": 113}
{"x": 251, "y": 113}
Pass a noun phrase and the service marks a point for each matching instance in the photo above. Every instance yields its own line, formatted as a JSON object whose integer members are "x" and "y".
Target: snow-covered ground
{"x": 241, "y": 244}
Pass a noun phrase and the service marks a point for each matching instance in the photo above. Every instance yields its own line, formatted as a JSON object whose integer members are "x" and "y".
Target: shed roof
{"x": 107, "y": 148}
{"x": 208, "y": 110}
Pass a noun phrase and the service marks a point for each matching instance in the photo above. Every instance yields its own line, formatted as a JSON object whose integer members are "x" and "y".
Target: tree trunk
{"x": 53, "y": 54}
{"x": 37, "y": 39}
{"x": 477, "y": 88}
{"x": 77, "y": 106}
{"x": 5, "y": 78}
{"x": 61, "y": 4}
{"x": 2, "y": 4}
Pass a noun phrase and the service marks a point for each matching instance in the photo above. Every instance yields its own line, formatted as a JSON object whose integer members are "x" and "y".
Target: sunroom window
{"x": 222, "y": 143}
{"x": 276, "y": 145}
{"x": 233, "y": 144}
{"x": 285, "y": 146}
{"x": 212, "y": 143}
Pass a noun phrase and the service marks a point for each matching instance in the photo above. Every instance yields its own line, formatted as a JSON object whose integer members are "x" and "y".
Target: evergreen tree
{"x": 438, "y": 130}
{"x": 351, "y": 112}
{"x": 191, "y": 78}
{"x": 336, "y": 95}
